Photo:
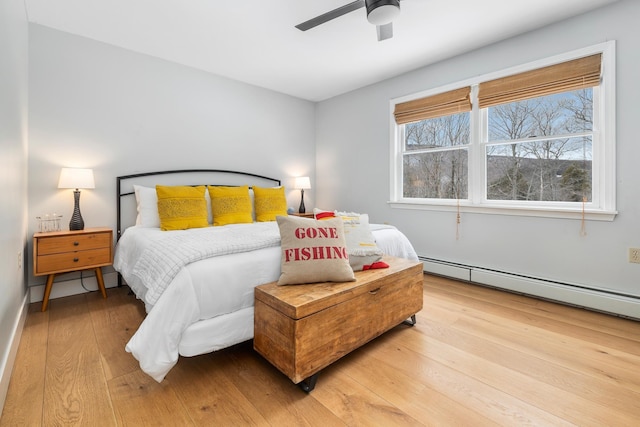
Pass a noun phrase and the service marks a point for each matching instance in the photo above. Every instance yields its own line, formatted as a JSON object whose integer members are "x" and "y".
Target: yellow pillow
{"x": 230, "y": 205}
{"x": 181, "y": 207}
{"x": 269, "y": 203}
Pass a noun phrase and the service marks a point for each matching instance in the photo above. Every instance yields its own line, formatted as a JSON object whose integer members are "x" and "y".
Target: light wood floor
{"x": 477, "y": 357}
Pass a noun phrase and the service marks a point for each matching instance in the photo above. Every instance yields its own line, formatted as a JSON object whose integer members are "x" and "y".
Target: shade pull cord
{"x": 458, "y": 222}
{"x": 583, "y": 223}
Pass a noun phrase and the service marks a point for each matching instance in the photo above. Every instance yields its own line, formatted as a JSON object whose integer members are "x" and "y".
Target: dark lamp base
{"x": 76, "y": 223}
{"x": 301, "y": 209}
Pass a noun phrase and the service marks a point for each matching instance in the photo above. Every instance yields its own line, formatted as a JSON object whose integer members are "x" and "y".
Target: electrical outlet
{"x": 20, "y": 260}
{"x": 634, "y": 255}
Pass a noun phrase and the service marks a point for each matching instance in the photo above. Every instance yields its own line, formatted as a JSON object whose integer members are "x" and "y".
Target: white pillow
{"x": 363, "y": 250}
{"x": 253, "y": 207}
{"x": 147, "y": 206}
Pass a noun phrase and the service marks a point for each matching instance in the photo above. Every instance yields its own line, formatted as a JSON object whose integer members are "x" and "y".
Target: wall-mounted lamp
{"x": 76, "y": 178}
{"x": 302, "y": 183}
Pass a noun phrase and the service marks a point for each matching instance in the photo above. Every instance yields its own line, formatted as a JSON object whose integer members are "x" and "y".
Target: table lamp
{"x": 302, "y": 183}
{"x": 76, "y": 178}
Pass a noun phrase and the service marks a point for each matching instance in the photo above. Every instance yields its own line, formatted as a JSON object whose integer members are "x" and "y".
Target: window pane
{"x": 560, "y": 114}
{"x": 447, "y": 131}
{"x": 556, "y": 170}
{"x": 436, "y": 175}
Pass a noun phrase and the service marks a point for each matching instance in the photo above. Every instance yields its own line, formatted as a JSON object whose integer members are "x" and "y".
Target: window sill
{"x": 495, "y": 209}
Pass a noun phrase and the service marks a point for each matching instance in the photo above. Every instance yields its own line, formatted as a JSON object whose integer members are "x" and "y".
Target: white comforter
{"x": 210, "y": 287}
{"x": 163, "y": 256}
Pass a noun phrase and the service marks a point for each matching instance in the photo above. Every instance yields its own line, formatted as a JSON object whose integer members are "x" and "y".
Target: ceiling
{"x": 256, "y": 42}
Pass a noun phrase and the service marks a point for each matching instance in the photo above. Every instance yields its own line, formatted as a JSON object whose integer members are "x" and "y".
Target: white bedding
{"x": 160, "y": 256}
{"x": 208, "y": 304}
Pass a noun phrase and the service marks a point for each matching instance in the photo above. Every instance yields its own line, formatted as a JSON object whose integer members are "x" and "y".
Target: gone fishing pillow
{"x": 313, "y": 251}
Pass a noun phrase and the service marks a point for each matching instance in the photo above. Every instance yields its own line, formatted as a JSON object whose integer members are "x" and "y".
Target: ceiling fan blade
{"x": 384, "y": 31}
{"x": 333, "y": 14}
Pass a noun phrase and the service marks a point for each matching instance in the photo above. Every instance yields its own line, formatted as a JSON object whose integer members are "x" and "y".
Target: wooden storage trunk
{"x": 301, "y": 329}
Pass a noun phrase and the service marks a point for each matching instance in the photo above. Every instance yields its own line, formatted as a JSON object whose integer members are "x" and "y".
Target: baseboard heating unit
{"x": 568, "y": 293}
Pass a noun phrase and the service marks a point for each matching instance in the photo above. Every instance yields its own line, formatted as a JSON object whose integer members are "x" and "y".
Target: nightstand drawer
{"x": 80, "y": 242}
{"x": 71, "y": 261}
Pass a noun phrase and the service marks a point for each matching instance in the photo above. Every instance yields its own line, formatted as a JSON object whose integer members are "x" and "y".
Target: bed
{"x": 197, "y": 285}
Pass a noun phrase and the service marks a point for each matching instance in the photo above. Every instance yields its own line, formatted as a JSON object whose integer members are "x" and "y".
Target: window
{"x": 436, "y": 136}
{"x": 541, "y": 149}
{"x": 537, "y": 140}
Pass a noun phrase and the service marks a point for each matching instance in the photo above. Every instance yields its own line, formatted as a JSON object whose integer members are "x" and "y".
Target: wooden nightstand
{"x": 65, "y": 251}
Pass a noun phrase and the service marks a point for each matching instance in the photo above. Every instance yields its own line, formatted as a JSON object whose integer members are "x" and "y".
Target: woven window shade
{"x": 442, "y": 104}
{"x": 572, "y": 75}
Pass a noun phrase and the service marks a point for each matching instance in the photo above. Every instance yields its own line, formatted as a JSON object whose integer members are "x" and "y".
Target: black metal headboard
{"x": 124, "y": 183}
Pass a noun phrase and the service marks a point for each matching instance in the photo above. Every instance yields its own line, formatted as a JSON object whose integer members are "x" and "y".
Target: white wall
{"x": 13, "y": 175}
{"x": 353, "y": 132}
{"x": 102, "y": 107}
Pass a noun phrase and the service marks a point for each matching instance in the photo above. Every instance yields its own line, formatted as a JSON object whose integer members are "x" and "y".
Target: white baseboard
{"x": 442, "y": 268}
{"x": 568, "y": 293}
{"x": 65, "y": 288}
{"x": 8, "y": 359}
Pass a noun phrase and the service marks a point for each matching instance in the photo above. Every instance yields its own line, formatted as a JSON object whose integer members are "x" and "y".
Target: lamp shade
{"x": 76, "y": 178}
{"x": 302, "y": 183}
{"x": 382, "y": 12}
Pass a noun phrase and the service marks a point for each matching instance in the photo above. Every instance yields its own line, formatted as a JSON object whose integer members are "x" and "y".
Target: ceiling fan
{"x": 380, "y": 13}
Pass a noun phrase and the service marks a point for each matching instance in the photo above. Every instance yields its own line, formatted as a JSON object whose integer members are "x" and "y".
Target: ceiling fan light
{"x": 381, "y": 12}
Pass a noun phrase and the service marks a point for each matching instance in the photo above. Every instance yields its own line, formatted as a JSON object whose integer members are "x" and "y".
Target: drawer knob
{"x": 76, "y": 243}
{"x": 76, "y": 260}
{"x": 374, "y": 291}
